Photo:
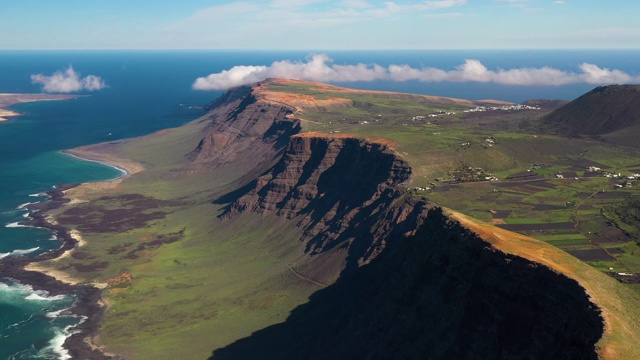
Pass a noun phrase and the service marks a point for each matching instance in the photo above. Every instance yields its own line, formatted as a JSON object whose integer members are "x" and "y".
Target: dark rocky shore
{"x": 87, "y": 304}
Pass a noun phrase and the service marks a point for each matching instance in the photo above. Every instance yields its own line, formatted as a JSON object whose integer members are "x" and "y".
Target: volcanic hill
{"x": 606, "y": 110}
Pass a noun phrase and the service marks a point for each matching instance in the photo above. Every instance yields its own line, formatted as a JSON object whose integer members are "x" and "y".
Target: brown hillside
{"x": 603, "y": 110}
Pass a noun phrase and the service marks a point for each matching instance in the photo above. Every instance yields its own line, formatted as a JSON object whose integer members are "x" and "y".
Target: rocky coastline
{"x": 88, "y": 304}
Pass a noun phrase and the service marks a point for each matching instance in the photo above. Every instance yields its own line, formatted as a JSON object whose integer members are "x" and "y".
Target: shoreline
{"x": 34, "y": 271}
{"x": 5, "y": 114}
{"x": 87, "y": 305}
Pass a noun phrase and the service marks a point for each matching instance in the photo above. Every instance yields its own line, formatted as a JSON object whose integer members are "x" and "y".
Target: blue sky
{"x": 320, "y": 24}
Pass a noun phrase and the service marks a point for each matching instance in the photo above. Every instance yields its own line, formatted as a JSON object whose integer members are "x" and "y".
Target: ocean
{"x": 151, "y": 90}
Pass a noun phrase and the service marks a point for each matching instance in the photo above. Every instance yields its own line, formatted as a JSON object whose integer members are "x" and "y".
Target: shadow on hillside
{"x": 442, "y": 294}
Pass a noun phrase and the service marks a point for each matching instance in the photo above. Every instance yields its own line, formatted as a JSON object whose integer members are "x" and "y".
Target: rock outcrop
{"x": 340, "y": 191}
{"x": 243, "y": 132}
{"x": 336, "y": 190}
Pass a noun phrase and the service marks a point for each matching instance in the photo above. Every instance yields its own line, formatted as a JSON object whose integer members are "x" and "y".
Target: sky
{"x": 319, "y": 24}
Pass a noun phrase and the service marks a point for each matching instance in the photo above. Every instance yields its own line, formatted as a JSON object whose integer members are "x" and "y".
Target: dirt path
{"x": 306, "y": 278}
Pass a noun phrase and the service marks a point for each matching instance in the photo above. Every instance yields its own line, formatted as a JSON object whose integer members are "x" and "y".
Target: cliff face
{"x": 339, "y": 191}
{"x": 443, "y": 293}
{"x": 243, "y": 131}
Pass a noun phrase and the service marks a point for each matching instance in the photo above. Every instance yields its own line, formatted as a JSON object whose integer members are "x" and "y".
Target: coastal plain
{"x": 215, "y": 235}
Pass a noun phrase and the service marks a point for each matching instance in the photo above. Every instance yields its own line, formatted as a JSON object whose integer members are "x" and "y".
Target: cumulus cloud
{"x": 319, "y": 67}
{"x": 68, "y": 81}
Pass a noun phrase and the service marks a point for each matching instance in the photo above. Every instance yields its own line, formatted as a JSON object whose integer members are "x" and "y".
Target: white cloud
{"x": 319, "y": 67}
{"x": 257, "y": 18}
{"x": 68, "y": 81}
{"x": 443, "y": 4}
{"x": 355, "y": 4}
{"x": 294, "y": 3}
{"x": 443, "y": 15}
{"x": 391, "y": 8}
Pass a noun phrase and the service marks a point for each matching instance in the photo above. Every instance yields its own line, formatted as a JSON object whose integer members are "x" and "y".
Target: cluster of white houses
{"x": 607, "y": 174}
{"x": 502, "y": 108}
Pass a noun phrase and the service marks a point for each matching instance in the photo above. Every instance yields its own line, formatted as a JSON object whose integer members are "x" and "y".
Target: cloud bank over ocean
{"x": 320, "y": 67}
{"x": 68, "y": 81}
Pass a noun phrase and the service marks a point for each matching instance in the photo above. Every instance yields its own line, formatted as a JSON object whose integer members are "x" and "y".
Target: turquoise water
{"x": 145, "y": 90}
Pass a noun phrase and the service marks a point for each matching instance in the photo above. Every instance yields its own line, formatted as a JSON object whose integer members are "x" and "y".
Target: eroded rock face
{"x": 338, "y": 191}
{"x": 244, "y": 131}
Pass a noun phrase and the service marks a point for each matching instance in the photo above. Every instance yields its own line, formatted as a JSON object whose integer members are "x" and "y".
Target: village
{"x": 502, "y": 108}
{"x": 628, "y": 180}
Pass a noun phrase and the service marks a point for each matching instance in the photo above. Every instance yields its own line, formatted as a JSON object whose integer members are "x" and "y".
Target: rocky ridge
{"x": 335, "y": 189}
{"x": 243, "y": 131}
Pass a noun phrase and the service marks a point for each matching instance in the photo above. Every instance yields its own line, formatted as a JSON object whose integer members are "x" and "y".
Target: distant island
{"x": 7, "y": 100}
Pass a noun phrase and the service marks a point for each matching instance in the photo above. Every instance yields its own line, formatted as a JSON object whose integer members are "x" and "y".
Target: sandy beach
{"x": 94, "y": 153}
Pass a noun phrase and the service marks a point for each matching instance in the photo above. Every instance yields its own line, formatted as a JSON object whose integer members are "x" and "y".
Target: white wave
{"x": 55, "y": 314}
{"x": 56, "y": 345}
{"x": 18, "y": 252}
{"x": 14, "y": 288}
{"x": 18, "y": 225}
{"x": 42, "y": 194}
{"x": 15, "y": 225}
{"x": 22, "y": 323}
{"x": 16, "y": 293}
{"x": 43, "y": 296}
{"x": 23, "y": 206}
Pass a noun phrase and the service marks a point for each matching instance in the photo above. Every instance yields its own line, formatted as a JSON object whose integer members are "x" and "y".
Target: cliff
{"x": 243, "y": 131}
{"x": 339, "y": 191}
{"x": 443, "y": 293}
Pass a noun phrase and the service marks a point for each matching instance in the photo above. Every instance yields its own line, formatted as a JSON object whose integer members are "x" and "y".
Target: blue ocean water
{"x": 144, "y": 93}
